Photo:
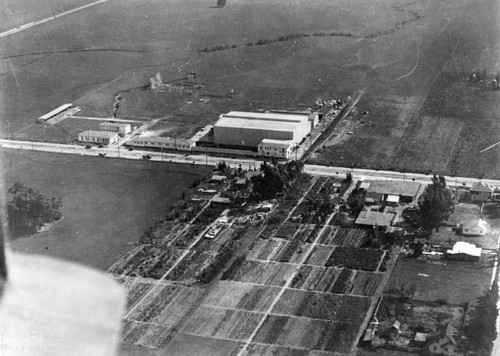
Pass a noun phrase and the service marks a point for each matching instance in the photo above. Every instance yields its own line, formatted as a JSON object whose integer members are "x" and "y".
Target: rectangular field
{"x": 340, "y": 236}
{"x": 271, "y": 273}
{"x": 221, "y": 323}
{"x": 239, "y": 295}
{"x": 355, "y": 258}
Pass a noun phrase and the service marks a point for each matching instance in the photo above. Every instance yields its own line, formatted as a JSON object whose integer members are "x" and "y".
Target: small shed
{"x": 218, "y": 178}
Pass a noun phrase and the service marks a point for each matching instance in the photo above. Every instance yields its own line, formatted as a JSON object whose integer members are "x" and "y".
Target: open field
{"x": 403, "y": 54}
{"x": 107, "y": 204}
{"x": 454, "y": 282}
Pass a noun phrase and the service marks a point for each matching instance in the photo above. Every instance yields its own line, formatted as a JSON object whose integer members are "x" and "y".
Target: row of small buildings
{"x": 270, "y": 134}
{"x": 108, "y": 134}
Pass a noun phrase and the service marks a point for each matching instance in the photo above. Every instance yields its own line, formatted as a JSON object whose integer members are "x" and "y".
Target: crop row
{"x": 272, "y": 273}
{"x": 308, "y": 334}
{"x": 287, "y": 230}
{"x": 266, "y": 250}
{"x": 148, "y": 335}
{"x": 274, "y": 350}
{"x": 355, "y": 258}
{"x": 136, "y": 288}
{"x": 320, "y": 279}
{"x": 221, "y": 323}
{"x": 239, "y": 295}
{"x": 319, "y": 255}
{"x": 344, "y": 237}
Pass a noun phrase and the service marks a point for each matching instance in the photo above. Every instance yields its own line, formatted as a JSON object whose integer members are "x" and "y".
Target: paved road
{"x": 246, "y": 163}
{"x": 51, "y": 18}
{"x": 390, "y": 175}
{"x": 122, "y": 152}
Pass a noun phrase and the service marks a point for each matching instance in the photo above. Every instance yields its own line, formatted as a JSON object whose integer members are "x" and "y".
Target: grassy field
{"x": 107, "y": 204}
{"x": 454, "y": 282}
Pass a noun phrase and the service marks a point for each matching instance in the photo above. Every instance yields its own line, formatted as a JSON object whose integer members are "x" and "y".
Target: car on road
{"x": 146, "y": 156}
{"x": 130, "y": 148}
{"x": 88, "y": 147}
{"x": 102, "y": 155}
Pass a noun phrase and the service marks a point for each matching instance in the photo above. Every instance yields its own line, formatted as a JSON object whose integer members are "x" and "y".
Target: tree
{"x": 29, "y": 209}
{"x": 275, "y": 178}
{"x": 221, "y": 3}
{"x": 433, "y": 207}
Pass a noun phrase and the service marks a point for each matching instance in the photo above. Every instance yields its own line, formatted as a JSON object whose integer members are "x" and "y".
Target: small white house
{"x": 480, "y": 192}
{"x": 475, "y": 227}
{"x": 121, "y": 128}
{"x": 275, "y": 148}
{"x": 98, "y": 137}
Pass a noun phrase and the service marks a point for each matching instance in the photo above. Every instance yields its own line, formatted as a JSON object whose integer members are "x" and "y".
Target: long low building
{"x": 98, "y": 137}
{"x": 121, "y": 128}
{"x": 169, "y": 143}
{"x": 248, "y": 129}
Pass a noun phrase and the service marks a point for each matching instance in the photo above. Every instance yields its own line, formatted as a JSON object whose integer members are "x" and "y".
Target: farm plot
{"x": 221, "y": 323}
{"x": 148, "y": 335}
{"x": 271, "y": 273}
{"x": 166, "y": 305}
{"x": 355, "y": 258}
{"x": 148, "y": 261}
{"x": 191, "y": 266}
{"x": 273, "y": 350}
{"x": 266, "y": 250}
{"x": 365, "y": 283}
{"x": 310, "y": 334}
{"x": 319, "y": 255}
{"x": 287, "y": 230}
{"x": 238, "y": 295}
{"x": 315, "y": 278}
{"x": 290, "y": 331}
{"x": 136, "y": 289}
{"x": 344, "y": 237}
{"x": 343, "y": 282}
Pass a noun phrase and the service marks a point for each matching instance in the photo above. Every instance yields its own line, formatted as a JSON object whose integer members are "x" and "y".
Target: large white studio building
{"x": 274, "y": 134}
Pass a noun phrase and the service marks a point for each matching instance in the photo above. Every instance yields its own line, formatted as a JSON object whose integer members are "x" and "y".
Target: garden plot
{"x": 287, "y": 230}
{"x": 355, "y": 258}
{"x": 136, "y": 289}
{"x": 316, "y": 278}
{"x": 290, "y": 331}
{"x": 343, "y": 283}
{"x": 239, "y": 295}
{"x": 222, "y": 323}
{"x": 344, "y": 237}
{"x": 266, "y": 250}
{"x": 292, "y": 252}
{"x": 310, "y": 334}
{"x": 326, "y": 306}
{"x": 273, "y": 350}
{"x": 365, "y": 283}
{"x": 319, "y": 255}
{"x": 166, "y": 305}
{"x": 144, "y": 334}
{"x": 271, "y": 273}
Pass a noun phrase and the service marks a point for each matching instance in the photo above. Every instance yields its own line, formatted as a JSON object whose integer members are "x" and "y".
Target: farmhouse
{"x": 392, "y": 191}
{"x": 464, "y": 251}
{"x": 442, "y": 342}
{"x": 121, "y": 128}
{"x": 475, "y": 227}
{"x": 480, "y": 192}
{"x": 99, "y": 137}
{"x": 375, "y": 219}
{"x": 248, "y": 130}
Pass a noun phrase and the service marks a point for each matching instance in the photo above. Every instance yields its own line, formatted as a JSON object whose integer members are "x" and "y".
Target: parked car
{"x": 88, "y": 147}
{"x": 146, "y": 156}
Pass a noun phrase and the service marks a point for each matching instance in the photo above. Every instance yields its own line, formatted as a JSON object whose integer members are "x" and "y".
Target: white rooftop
{"x": 237, "y": 122}
{"x": 266, "y": 116}
{"x": 95, "y": 133}
{"x": 465, "y": 247}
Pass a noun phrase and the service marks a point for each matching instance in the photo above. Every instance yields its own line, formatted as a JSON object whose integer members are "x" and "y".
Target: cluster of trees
{"x": 435, "y": 205}
{"x": 481, "y": 331}
{"x": 275, "y": 178}
{"x": 29, "y": 210}
{"x": 224, "y": 255}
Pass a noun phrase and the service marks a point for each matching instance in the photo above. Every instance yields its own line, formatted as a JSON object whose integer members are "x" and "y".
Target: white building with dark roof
{"x": 98, "y": 137}
{"x": 480, "y": 192}
{"x": 120, "y": 127}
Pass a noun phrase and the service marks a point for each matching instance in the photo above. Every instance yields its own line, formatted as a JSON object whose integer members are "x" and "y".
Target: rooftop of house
{"x": 96, "y": 133}
{"x": 394, "y": 187}
{"x": 448, "y": 333}
{"x": 374, "y": 218}
{"x": 462, "y": 247}
{"x": 475, "y": 223}
{"x": 481, "y": 187}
